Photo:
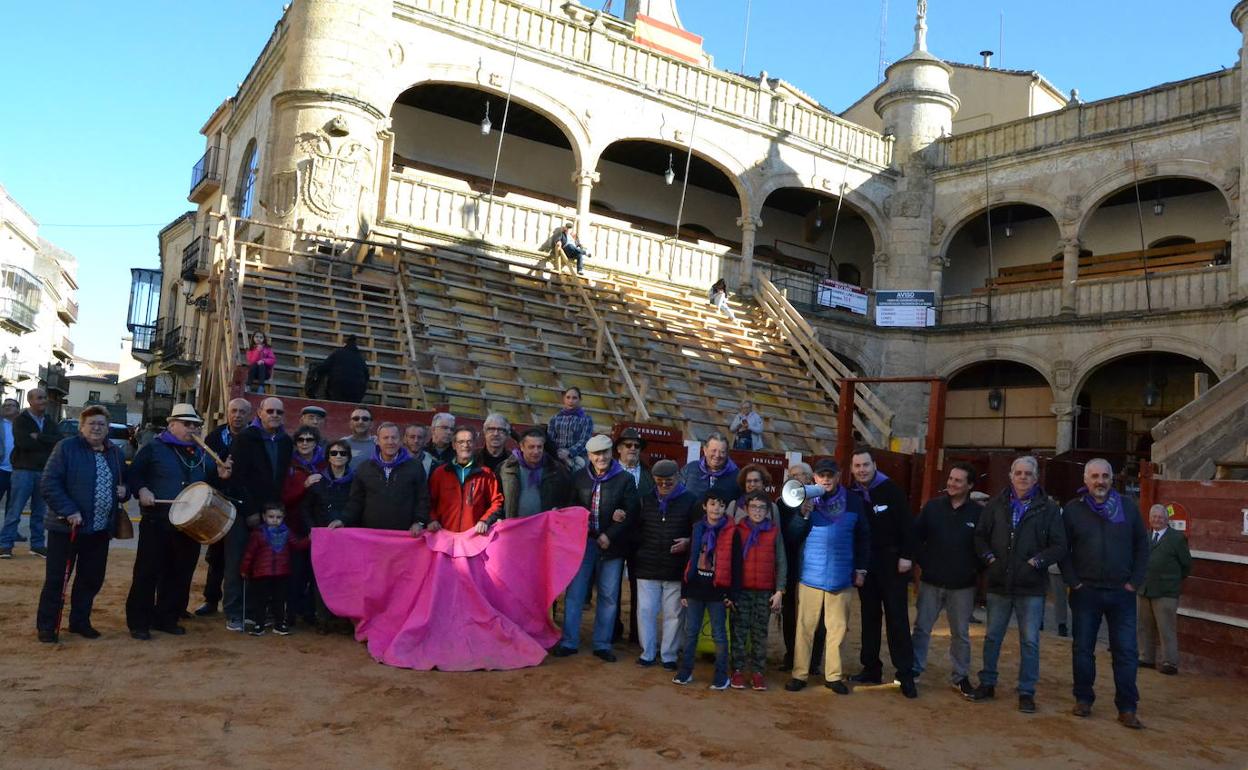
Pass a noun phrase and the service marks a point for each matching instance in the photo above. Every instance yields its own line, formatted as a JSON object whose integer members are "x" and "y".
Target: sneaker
{"x": 642, "y": 662}
{"x": 255, "y": 630}
{"x": 982, "y": 693}
{"x": 206, "y": 609}
{"x": 837, "y": 687}
{"x": 6, "y": 553}
{"x": 233, "y": 625}
{"x": 720, "y": 685}
{"x": 683, "y": 679}
{"x": 757, "y": 682}
{"x": 669, "y": 665}
{"x": 737, "y": 681}
{"x": 281, "y": 629}
{"x": 39, "y": 551}
{"x": 563, "y": 652}
{"x": 1027, "y": 704}
{"x": 964, "y": 687}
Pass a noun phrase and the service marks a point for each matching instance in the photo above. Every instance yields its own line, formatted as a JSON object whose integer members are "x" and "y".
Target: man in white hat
{"x": 165, "y": 561}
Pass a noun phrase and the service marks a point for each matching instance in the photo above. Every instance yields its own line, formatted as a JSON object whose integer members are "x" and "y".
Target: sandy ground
{"x": 218, "y": 699}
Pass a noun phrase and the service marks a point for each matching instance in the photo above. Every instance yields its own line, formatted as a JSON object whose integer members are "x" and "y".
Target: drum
{"x": 202, "y": 513}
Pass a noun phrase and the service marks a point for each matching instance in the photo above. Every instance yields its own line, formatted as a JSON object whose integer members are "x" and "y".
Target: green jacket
{"x": 1169, "y": 562}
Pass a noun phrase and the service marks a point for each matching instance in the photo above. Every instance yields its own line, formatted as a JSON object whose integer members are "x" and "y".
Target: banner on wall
{"x": 844, "y": 295}
{"x": 905, "y": 308}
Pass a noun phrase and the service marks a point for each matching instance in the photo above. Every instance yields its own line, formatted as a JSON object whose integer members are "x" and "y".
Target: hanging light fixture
{"x": 1009, "y": 228}
{"x": 669, "y": 176}
{"x": 1159, "y": 207}
{"x": 995, "y": 399}
{"x": 485, "y": 122}
{"x": 1152, "y": 394}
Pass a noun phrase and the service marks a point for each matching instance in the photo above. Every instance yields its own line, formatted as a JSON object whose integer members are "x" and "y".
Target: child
{"x": 266, "y": 568}
{"x": 718, "y": 296}
{"x": 709, "y": 586}
{"x": 763, "y": 574}
{"x": 260, "y": 362}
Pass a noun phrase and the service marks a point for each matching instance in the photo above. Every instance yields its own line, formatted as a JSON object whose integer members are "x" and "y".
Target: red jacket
{"x": 261, "y": 561}
{"x": 459, "y": 507}
{"x": 261, "y": 355}
{"x": 293, "y": 490}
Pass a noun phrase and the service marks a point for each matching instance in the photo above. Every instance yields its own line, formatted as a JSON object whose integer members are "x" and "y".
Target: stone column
{"x": 1070, "y": 274}
{"x": 745, "y": 280}
{"x": 1066, "y": 414}
{"x": 584, "y": 181}
{"x": 937, "y": 265}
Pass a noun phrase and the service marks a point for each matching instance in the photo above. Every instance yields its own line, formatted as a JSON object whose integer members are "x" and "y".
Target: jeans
{"x": 654, "y": 596}
{"x": 5, "y": 478}
{"x": 1029, "y": 610}
{"x": 957, "y": 604}
{"x": 719, "y": 633}
{"x": 1058, "y": 588}
{"x": 606, "y": 606}
{"x": 259, "y": 374}
{"x": 1117, "y": 605}
{"x": 235, "y": 541}
{"x": 24, "y": 487}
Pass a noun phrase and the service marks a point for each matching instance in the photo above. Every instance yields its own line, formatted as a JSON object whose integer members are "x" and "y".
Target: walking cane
{"x": 70, "y": 558}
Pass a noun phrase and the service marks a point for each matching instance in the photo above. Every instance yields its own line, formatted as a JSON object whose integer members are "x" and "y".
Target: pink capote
{"x": 455, "y": 601}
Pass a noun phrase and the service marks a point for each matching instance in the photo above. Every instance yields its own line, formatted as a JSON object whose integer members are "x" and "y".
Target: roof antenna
{"x": 1001, "y": 40}
{"x": 883, "y": 39}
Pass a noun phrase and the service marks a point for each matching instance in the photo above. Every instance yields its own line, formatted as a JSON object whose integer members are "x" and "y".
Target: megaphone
{"x": 794, "y": 492}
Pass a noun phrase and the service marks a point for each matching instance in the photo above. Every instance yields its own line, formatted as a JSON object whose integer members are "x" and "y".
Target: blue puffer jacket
{"x": 68, "y": 484}
{"x": 829, "y": 554}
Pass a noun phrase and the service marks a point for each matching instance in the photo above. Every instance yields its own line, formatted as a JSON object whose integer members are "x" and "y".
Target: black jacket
{"x": 946, "y": 542}
{"x": 324, "y": 502}
{"x": 345, "y": 374}
{"x": 892, "y": 525}
{"x": 255, "y": 478}
{"x": 395, "y": 503}
{"x": 1101, "y": 554}
{"x": 555, "y": 488}
{"x": 32, "y": 453}
{"x": 1039, "y": 535}
{"x": 620, "y": 492}
{"x": 217, "y": 444}
{"x": 653, "y": 558}
{"x": 485, "y": 459}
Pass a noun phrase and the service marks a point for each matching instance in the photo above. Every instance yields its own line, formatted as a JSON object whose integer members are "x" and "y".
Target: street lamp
{"x": 485, "y": 122}
{"x": 669, "y": 176}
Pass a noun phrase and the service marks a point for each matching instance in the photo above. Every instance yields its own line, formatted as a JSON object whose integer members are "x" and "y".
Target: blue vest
{"x": 828, "y": 555}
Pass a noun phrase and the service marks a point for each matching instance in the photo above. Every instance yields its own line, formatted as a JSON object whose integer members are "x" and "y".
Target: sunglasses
{"x": 306, "y": 440}
{"x": 631, "y": 445}
{"x": 361, "y": 419}
{"x": 275, "y": 411}
{"x": 339, "y": 453}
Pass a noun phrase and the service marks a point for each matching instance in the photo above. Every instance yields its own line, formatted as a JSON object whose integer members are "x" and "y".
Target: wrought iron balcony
{"x": 54, "y": 379}
{"x": 196, "y": 258}
{"x": 67, "y": 309}
{"x": 179, "y": 346}
{"x": 63, "y": 348}
{"x": 206, "y": 176}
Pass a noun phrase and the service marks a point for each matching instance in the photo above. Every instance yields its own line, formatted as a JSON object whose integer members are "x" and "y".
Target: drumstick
{"x": 216, "y": 458}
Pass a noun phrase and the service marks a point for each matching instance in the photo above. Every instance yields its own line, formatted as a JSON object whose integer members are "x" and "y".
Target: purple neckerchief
{"x": 577, "y": 412}
{"x": 172, "y": 440}
{"x": 879, "y": 479}
{"x": 677, "y": 490}
{"x": 387, "y": 466}
{"x": 343, "y": 479}
{"x": 710, "y": 532}
{"x": 1110, "y": 510}
{"x": 750, "y": 541}
{"x": 277, "y": 536}
{"x": 535, "y": 471}
{"x": 1019, "y": 507}
{"x": 828, "y": 507}
{"x": 264, "y": 433}
{"x": 614, "y": 470}
{"x": 713, "y": 476}
{"x": 313, "y": 465}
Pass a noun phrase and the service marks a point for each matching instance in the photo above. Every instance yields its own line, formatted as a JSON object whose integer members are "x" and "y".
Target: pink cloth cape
{"x": 454, "y": 601}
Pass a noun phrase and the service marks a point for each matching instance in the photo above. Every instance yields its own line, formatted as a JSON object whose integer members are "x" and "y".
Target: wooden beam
{"x": 413, "y": 373}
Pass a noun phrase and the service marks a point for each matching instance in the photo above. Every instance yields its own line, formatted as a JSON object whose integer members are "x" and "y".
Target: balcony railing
{"x": 67, "y": 309}
{"x": 195, "y": 258}
{"x": 206, "y": 176}
{"x": 16, "y": 316}
{"x": 54, "y": 378}
{"x": 19, "y": 299}
{"x": 144, "y": 339}
{"x": 608, "y": 47}
{"x": 63, "y": 348}
{"x": 180, "y": 346}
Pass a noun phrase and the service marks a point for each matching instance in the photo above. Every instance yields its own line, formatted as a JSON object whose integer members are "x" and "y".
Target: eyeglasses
{"x": 361, "y": 419}
{"x": 495, "y": 430}
{"x": 275, "y": 411}
{"x": 305, "y": 439}
{"x": 339, "y": 453}
{"x": 463, "y": 443}
{"x": 631, "y": 445}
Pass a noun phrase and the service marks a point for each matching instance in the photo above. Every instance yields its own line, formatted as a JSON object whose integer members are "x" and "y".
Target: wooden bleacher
{"x": 1188, "y": 256}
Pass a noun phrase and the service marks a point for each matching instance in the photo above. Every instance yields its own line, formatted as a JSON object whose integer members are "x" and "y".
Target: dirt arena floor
{"x": 218, "y": 699}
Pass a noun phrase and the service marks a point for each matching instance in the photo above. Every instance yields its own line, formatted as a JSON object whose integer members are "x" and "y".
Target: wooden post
{"x": 412, "y": 372}
{"x": 935, "y": 437}
{"x": 845, "y": 427}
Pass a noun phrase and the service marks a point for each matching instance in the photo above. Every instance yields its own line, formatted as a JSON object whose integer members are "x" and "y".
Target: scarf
{"x": 1019, "y": 507}
{"x": 311, "y": 466}
{"x": 535, "y": 471}
{"x": 879, "y": 479}
{"x": 710, "y": 532}
{"x": 711, "y": 476}
{"x": 402, "y": 457}
{"x": 677, "y": 491}
{"x": 172, "y": 440}
{"x": 1110, "y": 510}
{"x": 577, "y": 412}
{"x": 613, "y": 470}
{"x": 828, "y": 507}
{"x": 346, "y": 478}
{"x": 755, "y": 530}
{"x": 277, "y": 536}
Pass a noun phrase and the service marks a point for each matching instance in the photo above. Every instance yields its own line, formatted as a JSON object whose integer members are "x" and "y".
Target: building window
{"x": 247, "y": 180}
{"x": 93, "y": 396}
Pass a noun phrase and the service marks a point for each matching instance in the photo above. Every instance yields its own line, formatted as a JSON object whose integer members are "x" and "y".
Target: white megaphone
{"x": 794, "y": 492}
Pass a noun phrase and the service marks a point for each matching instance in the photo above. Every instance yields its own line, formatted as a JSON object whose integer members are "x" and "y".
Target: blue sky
{"x": 104, "y": 101}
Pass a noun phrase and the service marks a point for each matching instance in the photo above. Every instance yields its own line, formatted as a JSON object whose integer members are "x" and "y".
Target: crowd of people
{"x": 702, "y": 541}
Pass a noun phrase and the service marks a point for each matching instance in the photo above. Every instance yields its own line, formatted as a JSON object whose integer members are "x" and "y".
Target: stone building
{"x": 1083, "y": 257}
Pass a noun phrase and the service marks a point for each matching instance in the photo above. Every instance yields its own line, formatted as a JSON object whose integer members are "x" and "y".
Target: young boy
{"x": 764, "y": 571}
{"x": 709, "y": 586}
{"x": 266, "y": 568}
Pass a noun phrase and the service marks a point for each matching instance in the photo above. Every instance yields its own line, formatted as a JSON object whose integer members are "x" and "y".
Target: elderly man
{"x": 313, "y": 417}
{"x": 610, "y": 496}
{"x": 713, "y": 469}
{"x": 1169, "y": 564}
{"x": 463, "y": 494}
{"x": 746, "y": 427}
{"x": 628, "y": 450}
{"x": 261, "y": 456}
{"x": 360, "y": 439}
{"x": 389, "y": 490}
{"x": 531, "y": 480}
{"x": 8, "y": 412}
{"x": 495, "y": 432}
{"x": 165, "y": 560}
{"x": 415, "y": 439}
{"x": 34, "y": 435}
{"x": 1106, "y": 561}
{"x": 1019, "y": 535}
{"x": 441, "y": 430}
{"x": 883, "y": 594}
{"x": 570, "y": 429}
{"x": 219, "y": 440}
{"x": 945, "y": 535}
{"x": 663, "y": 532}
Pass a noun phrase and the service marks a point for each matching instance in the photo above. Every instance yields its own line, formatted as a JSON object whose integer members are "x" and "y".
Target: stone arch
{"x": 1098, "y": 356}
{"x": 871, "y": 212}
{"x": 974, "y": 206}
{"x": 1115, "y": 181}
{"x": 852, "y": 350}
{"x": 703, "y": 149}
{"x": 1013, "y": 353}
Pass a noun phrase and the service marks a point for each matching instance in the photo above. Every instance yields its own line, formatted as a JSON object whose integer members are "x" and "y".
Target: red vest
{"x": 759, "y": 565}
{"x": 723, "y": 558}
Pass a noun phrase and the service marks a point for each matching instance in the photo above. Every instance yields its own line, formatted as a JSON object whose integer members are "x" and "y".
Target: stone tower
{"x": 1239, "y": 281}
{"x": 325, "y": 141}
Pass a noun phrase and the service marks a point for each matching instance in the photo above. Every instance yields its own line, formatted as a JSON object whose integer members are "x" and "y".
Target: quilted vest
{"x": 828, "y": 555}
{"x": 759, "y": 566}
